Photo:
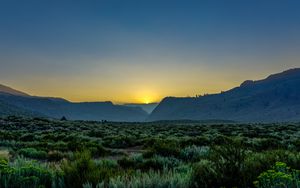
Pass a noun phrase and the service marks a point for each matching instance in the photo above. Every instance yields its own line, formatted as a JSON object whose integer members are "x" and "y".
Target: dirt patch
{"x": 120, "y": 153}
{"x": 132, "y": 150}
{"x": 4, "y": 154}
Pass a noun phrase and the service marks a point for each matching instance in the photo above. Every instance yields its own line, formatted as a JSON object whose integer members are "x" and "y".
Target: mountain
{"x": 147, "y": 107}
{"x": 12, "y": 103}
{"x": 5, "y": 89}
{"x": 274, "y": 99}
{"x": 9, "y": 110}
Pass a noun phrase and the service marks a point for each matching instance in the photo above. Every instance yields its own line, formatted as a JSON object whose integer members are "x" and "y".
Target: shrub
{"x": 55, "y": 155}
{"x": 255, "y": 163}
{"x": 194, "y": 153}
{"x": 155, "y": 163}
{"x": 127, "y": 163}
{"x": 279, "y": 176}
{"x": 33, "y": 153}
{"x": 204, "y": 175}
{"x": 164, "y": 148}
{"x": 152, "y": 179}
{"x": 23, "y": 173}
{"x": 229, "y": 162}
{"x": 159, "y": 163}
{"x": 83, "y": 169}
{"x": 262, "y": 144}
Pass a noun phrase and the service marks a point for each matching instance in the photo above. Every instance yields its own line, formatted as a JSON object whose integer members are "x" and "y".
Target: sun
{"x": 146, "y": 97}
{"x": 146, "y": 101}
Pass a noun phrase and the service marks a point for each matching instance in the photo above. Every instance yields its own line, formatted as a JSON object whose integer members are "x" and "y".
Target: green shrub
{"x": 204, "y": 175}
{"x": 224, "y": 166}
{"x": 120, "y": 142}
{"x": 280, "y": 176}
{"x": 55, "y": 155}
{"x": 194, "y": 153}
{"x": 80, "y": 170}
{"x": 23, "y": 173}
{"x": 166, "y": 179}
{"x": 262, "y": 144}
{"x": 33, "y": 153}
{"x": 83, "y": 169}
{"x": 229, "y": 162}
{"x": 164, "y": 148}
{"x": 127, "y": 163}
{"x": 155, "y": 163}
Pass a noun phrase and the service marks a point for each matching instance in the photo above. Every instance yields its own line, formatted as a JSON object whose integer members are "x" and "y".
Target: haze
{"x": 141, "y": 51}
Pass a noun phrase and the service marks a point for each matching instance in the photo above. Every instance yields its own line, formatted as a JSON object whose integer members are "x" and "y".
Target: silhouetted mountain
{"x": 9, "y": 110}
{"x": 276, "y": 98}
{"x": 5, "y": 89}
{"x": 56, "y": 108}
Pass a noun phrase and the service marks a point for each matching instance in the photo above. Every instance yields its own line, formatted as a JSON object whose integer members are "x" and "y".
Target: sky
{"x": 140, "y": 51}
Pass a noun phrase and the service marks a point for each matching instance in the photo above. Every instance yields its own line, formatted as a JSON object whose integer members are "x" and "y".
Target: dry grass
{"x": 4, "y": 154}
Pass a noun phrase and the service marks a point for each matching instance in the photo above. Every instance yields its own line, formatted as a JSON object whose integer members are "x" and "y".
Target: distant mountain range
{"x": 13, "y": 102}
{"x": 274, "y": 99}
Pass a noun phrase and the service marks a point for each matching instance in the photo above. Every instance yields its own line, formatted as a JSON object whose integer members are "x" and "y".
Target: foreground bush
{"x": 84, "y": 169}
{"x": 194, "y": 153}
{"x": 33, "y": 153}
{"x": 156, "y": 163}
{"x": 280, "y": 176}
{"x": 24, "y": 173}
{"x": 164, "y": 148}
{"x": 179, "y": 178}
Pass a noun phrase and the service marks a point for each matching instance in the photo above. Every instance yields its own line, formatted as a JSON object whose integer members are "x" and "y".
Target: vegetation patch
{"x": 52, "y": 153}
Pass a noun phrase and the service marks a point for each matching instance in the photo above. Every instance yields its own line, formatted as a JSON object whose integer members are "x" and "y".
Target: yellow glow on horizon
{"x": 127, "y": 84}
{"x": 146, "y": 100}
{"x": 146, "y": 95}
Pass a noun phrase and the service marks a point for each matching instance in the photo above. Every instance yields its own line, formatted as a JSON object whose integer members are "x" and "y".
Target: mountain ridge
{"x": 13, "y": 103}
{"x": 275, "y": 98}
{"x": 9, "y": 90}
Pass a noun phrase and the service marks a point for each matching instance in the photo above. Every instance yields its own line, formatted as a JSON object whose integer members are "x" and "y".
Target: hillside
{"x": 11, "y": 104}
{"x": 8, "y": 90}
{"x": 276, "y": 98}
{"x": 10, "y": 110}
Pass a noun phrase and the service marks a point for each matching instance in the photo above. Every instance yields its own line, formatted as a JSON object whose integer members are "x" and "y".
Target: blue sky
{"x": 142, "y": 50}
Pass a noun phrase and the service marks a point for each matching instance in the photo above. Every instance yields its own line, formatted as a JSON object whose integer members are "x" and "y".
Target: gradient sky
{"x": 144, "y": 50}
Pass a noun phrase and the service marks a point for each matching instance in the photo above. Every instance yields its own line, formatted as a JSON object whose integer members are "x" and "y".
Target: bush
{"x": 279, "y": 176}
{"x": 159, "y": 163}
{"x": 55, "y": 155}
{"x": 83, "y": 169}
{"x": 23, "y": 173}
{"x": 155, "y": 163}
{"x": 229, "y": 162}
{"x": 204, "y": 175}
{"x": 127, "y": 163}
{"x": 33, "y": 153}
{"x": 164, "y": 148}
{"x": 255, "y": 163}
{"x": 194, "y": 153}
{"x": 224, "y": 166}
{"x": 152, "y": 179}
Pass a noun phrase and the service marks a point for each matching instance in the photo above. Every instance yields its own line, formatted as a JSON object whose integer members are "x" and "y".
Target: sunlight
{"x": 146, "y": 95}
{"x": 146, "y": 100}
